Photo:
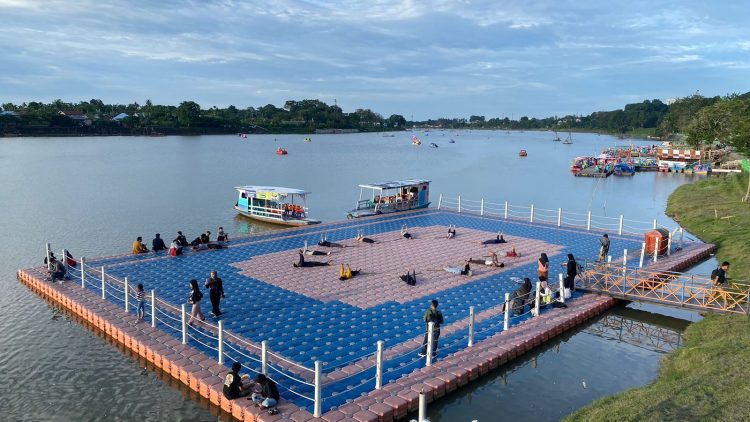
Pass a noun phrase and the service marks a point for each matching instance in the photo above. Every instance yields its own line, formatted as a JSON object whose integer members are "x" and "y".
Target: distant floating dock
{"x": 341, "y": 349}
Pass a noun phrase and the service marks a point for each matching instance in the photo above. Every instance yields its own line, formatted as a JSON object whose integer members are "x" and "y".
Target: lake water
{"x": 95, "y": 195}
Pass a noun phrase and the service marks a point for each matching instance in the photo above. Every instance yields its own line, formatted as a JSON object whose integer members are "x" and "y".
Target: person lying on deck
{"x": 302, "y": 263}
{"x": 314, "y": 253}
{"x": 457, "y": 270}
{"x": 361, "y": 238}
{"x": 324, "y": 242}
{"x": 451, "y": 232}
{"x": 347, "y": 273}
{"x": 405, "y": 232}
{"x": 492, "y": 262}
{"x": 207, "y": 246}
{"x": 409, "y": 278}
{"x": 498, "y": 239}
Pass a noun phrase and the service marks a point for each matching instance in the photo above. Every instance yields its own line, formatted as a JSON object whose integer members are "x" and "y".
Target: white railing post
{"x": 104, "y": 284}
{"x": 506, "y": 210}
{"x": 471, "y": 326}
{"x": 559, "y": 217}
{"x": 656, "y": 248}
{"x": 654, "y": 224}
{"x": 562, "y": 288}
{"x": 422, "y": 413}
{"x": 318, "y": 406}
{"x": 624, "y": 259}
{"x": 536, "y": 298}
{"x": 153, "y": 307}
{"x": 531, "y": 216}
{"x": 183, "y": 323}
{"x": 49, "y": 256}
{"x": 481, "y": 207}
{"x": 430, "y": 339}
{"x": 459, "y": 203}
{"x": 83, "y": 273}
{"x": 609, "y": 259}
{"x": 588, "y": 222}
{"x": 669, "y": 244}
{"x": 643, "y": 255}
{"x": 379, "y": 366}
{"x": 221, "y": 342}
{"x": 440, "y": 200}
{"x": 127, "y": 299}
{"x": 621, "y": 221}
{"x": 506, "y": 317}
{"x": 64, "y": 260}
{"x": 264, "y": 357}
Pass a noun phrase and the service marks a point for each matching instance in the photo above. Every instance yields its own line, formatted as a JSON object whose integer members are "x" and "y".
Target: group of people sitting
{"x": 262, "y": 391}
{"x": 180, "y": 242}
{"x": 58, "y": 268}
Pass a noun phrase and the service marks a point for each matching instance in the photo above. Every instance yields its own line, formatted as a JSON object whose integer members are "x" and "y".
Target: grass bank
{"x": 708, "y": 377}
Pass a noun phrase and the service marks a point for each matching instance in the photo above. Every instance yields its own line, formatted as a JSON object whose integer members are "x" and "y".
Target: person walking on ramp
{"x": 436, "y": 317}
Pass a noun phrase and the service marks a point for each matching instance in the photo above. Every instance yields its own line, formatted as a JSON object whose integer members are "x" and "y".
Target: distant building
{"x": 121, "y": 116}
{"x": 77, "y": 116}
{"x": 671, "y": 101}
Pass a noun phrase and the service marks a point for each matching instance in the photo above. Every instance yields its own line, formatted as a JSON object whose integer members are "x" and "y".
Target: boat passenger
{"x": 405, "y": 232}
{"x": 347, "y": 273}
{"x": 158, "y": 244}
{"x": 302, "y": 263}
{"x": 451, "y": 232}
{"x": 223, "y": 236}
{"x": 409, "y": 278}
{"x": 138, "y": 246}
{"x": 543, "y": 266}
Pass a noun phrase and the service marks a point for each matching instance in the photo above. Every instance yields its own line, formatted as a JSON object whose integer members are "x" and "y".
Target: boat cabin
{"x": 273, "y": 205}
{"x": 387, "y": 197}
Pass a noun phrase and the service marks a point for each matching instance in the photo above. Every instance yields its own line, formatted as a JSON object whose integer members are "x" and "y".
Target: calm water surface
{"x": 95, "y": 195}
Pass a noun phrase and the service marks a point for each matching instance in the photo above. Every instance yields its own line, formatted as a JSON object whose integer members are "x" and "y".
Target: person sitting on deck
{"x": 492, "y": 262}
{"x": 58, "y": 270}
{"x": 181, "y": 239}
{"x": 347, "y": 273}
{"x": 233, "y": 386}
{"x": 302, "y": 263}
{"x": 409, "y": 278}
{"x": 69, "y": 261}
{"x": 451, "y": 232}
{"x": 175, "y": 249}
{"x": 324, "y": 242}
{"x": 520, "y": 296}
{"x": 512, "y": 253}
{"x": 139, "y": 247}
{"x": 197, "y": 241}
{"x": 405, "y": 232}
{"x": 223, "y": 236}
{"x": 267, "y": 395}
{"x": 498, "y": 239}
{"x": 158, "y": 244}
{"x": 361, "y": 238}
{"x": 206, "y": 237}
{"x": 207, "y": 246}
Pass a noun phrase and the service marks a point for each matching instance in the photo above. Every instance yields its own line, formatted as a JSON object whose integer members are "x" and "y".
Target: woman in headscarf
{"x": 543, "y": 267}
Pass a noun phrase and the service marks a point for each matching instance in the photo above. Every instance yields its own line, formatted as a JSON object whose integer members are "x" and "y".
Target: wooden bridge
{"x": 667, "y": 288}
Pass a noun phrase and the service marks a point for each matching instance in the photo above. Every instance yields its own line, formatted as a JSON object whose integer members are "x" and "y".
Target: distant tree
{"x": 396, "y": 120}
{"x": 188, "y": 113}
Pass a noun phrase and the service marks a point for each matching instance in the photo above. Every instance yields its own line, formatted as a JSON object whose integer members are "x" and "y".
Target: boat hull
{"x": 297, "y": 222}
{"x": 371, "y": 212}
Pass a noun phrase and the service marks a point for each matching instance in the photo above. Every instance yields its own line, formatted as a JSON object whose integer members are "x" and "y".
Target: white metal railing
{"x": 557, "y": 217}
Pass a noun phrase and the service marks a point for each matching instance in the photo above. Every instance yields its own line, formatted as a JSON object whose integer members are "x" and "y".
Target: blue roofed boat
{"x": 273, "y": 204}
{"x": 624, "y": 169}
{"x": 388, "y": 197}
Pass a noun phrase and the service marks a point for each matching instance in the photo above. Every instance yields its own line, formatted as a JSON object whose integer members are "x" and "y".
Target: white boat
{"x": 557, "y": 137}
{"x": 273, "y": 204}
{"x": 388, "y": 197}
{"x": 568, "y": 140}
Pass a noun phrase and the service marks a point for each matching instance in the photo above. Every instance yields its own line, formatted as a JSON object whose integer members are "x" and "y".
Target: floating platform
{"x": 306, "y": 315}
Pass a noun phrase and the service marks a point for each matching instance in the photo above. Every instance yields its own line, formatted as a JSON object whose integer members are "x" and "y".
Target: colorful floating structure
{"x": 522, "y": 153}
{"x": 389, "y": 197}
{"x": 281, "y": 151}
{"x": 415, "y": 141}
{"x": 272, "y": 204}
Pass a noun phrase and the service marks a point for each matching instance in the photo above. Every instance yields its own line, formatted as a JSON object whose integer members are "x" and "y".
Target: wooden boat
{"x": 522, "y": 153}
{"x": 273, "y": 204}
{"x": 388, "y": 197}
{"x": 281, "y": 151}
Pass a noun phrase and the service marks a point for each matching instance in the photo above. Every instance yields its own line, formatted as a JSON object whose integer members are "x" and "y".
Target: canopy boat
{"x": 388, "y": 197}
{"x": 522, "y": 153}
{"x": 273, "y": 205}
{"x": 568, "y": 140}
{"x": 624, "y": 169}
{"x": 557, "y": 138}
{"x": 415, "y": 140}
{"x": 281, "y": 151}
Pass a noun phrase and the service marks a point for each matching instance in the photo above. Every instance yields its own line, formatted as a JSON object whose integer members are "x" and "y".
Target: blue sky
{"x": 449, "y": 58}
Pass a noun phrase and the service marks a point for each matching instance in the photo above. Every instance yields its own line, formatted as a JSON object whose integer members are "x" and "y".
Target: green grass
{"x": 708, "y": 378}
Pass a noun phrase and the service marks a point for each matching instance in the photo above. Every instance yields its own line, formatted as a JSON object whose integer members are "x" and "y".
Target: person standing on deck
{"x": 604, "y": 250}
{"x": 571, "y": 272}
{"x": 195, "y": 299}
{"x": 436, "y": 317}
{"x": 139, "y": 247}
{"x": 543, "y": 267}
{"x": 215, "y": 292}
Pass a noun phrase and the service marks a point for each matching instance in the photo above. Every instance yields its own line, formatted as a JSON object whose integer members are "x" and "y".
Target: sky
{"x": 426, "y": 59}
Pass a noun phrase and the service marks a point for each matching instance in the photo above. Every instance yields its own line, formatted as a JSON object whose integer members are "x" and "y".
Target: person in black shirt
{"x": 719, "y": 280}
{"x": 233, "y": 387}
{"x": 268, "y": 395}
{"x": 158, "y": 244}
{"x": 571, "y": 272}
{"x": 215, "y": 292}
{"x": 181, "y": 239}
{"x": 436, "y": 317}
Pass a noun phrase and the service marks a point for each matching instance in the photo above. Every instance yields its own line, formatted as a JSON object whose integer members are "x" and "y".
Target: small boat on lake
{"x": 557, "y": 137}
{"x": 273, "y": 204}
{"x": 522, "y": 153}
{"x": 568, "y": 140}
{"x": 451, "y": 141}
{"x": 281, "y": 151}
{"x": 388, "y": 197}
{"x": 308, "y": 139}
{"x": 415, "y": 141}
{"x": 433, "y": 145}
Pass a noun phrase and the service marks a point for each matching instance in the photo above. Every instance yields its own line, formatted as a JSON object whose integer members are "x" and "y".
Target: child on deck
{"x": 140, "y": 297}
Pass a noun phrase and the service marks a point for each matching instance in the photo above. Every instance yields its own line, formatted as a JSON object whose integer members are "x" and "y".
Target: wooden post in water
{"x": 379, "y": 366}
